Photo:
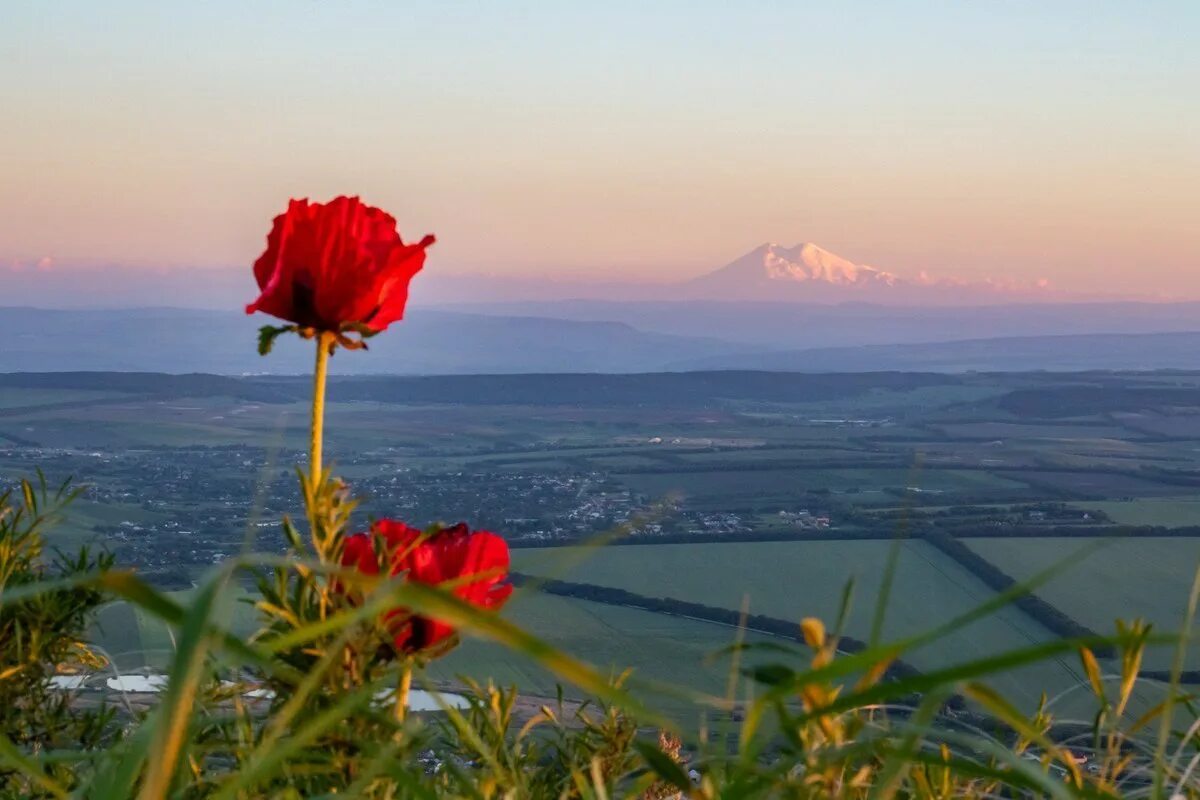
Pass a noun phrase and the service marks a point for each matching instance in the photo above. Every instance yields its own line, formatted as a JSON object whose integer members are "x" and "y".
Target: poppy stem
{"x": 324, "y": 345}
{"x": 403, "y": 689}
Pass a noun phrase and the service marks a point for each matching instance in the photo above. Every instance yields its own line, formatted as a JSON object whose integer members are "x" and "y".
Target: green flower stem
{"x": 324, "y": 344}
{"x": 403, "y": 690}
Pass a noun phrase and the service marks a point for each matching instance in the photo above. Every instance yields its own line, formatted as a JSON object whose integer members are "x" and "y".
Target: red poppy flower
{"x": 450, "y": 554}
{"x": 336, "y": 264}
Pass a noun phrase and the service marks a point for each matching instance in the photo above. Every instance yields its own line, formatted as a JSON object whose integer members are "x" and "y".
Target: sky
{"x": 614, "y": 140}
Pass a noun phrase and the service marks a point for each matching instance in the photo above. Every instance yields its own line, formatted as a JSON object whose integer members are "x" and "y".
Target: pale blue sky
{"x": 969, "y": 138}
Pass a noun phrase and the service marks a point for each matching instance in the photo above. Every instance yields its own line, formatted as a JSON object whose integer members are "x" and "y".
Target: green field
{"x": 1171, "y": 512}
{"x": 556, "y": 461}
{"x": 1125, "y": 578}
{"x": 140, "y": 422}
{"x": 757, "y": 456}
{"x": 791, "y": 580}
{"x": 1015, "y": 430}
{"x": 771, "y": 488}
{"x": 11, "y": 398}
{"x": 660, "y": 648}
{"x": 1102, "y": 484}
{"x": 117, "y": 630}
{"x": 135, "y": 638}
{"x": 77, "y": 520}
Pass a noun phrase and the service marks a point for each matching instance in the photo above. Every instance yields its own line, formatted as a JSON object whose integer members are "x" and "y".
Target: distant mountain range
{"x": 426, "y": 342}
{"x": 784, "y": 326}
{"x": 807, "y": 272}
{"x": 649, "y": 337}
{"x": 1080, "y": 352}
{"x": 804, "y": 273}
{"x": 799, "y": 308}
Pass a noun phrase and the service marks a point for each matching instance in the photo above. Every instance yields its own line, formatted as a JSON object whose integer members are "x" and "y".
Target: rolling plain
{"x": 712, "y": 488}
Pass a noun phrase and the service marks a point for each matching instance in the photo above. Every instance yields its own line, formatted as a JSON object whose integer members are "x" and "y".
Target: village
{"x": 196, "y": 516}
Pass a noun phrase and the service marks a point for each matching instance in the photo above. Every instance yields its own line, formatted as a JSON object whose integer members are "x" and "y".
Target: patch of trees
{"x": 246, "y": 449}
{"x": 20, "y": 441}
{"x": 677, "y": 390}
{"x": 1173, "y": 477}
{"x": 663, "y": 389}
{"x": 886, "y": 529}
{"x": 798, "y": 535}
{"x": 974, "y": 513}
{"x": 1081, "y": 400}
{"x": 169, "y": 579}
{"x": 678, "y": 465}
{"x": 157, "y": 384}
{"x": 930, "y": 498}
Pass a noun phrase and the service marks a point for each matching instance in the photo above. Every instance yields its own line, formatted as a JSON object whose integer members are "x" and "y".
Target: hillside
{"x": 667, "y": 389}
{"x": 1146, "y": 351}
{"x": 624, "y": 338}
{"x": 428, "y": 341}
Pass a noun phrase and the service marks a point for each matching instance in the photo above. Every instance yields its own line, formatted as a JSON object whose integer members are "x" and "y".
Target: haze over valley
{"x": 804, "y": 273}
{"x": 588, "y": 336}
{"x": 787, "y": 308}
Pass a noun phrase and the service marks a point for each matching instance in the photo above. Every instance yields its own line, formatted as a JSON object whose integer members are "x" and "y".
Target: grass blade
{"x": 265, "y": 761}
{"x": 175, "y": 713}
{"x": 11, "y": 755}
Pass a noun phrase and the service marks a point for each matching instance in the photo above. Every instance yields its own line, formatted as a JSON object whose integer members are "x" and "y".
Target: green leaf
{"x": 435, "y": 602}
{"x": 385, "y": 762}
{"x": 123, "y": 764}
{"x": 1173, "y": 688}
{"x": 990, "y": 699}
{"x": 755, "y": 647}
{"x": 438, "y": 602}
{"x": 128, "y": 586}
{"x": 865, "y": 659}
{"x": 264, "y": 763}
{"x": 176, "y": 712}
{"x": 267, "y": 335}
{"x": 897, "y": 765}
{"x": 770, "y": 674}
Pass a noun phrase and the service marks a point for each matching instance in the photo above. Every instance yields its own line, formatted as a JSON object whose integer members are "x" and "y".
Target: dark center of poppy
{"x": 303, "y": 302}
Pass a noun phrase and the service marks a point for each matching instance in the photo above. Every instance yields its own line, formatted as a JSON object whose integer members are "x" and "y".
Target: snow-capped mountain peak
{"x": 808, "y": 272}
{"x": 808, "y": 262}
{"x": 802, "y": 263}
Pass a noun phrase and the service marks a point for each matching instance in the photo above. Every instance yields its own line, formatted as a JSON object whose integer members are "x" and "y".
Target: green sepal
{"x": 361, "y": 328}
{"x": 267, "y": 335}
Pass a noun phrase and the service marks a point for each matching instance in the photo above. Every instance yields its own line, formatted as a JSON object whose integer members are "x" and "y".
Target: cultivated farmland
{"x": 661, "y": 649}
{"x": 791, "y": 580}
{"x": 1116, "y": 579}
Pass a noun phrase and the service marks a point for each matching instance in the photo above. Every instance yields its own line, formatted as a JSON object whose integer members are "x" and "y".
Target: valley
{"x": 721, "y": 488}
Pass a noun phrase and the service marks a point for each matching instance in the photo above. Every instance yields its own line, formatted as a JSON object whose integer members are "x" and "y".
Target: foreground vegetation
{"x": 809, "y": 721}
